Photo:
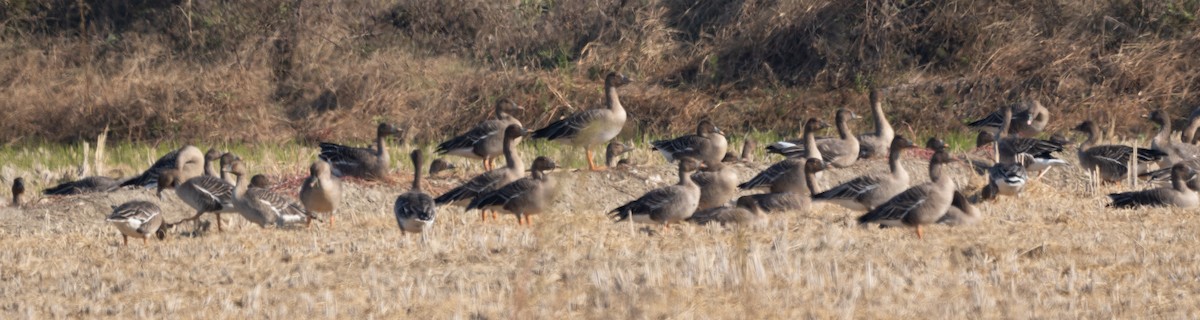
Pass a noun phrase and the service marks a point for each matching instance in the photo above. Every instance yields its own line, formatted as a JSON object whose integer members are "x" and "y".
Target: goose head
{"x": 688, "y": 165}
{"x": 320, "y": 168}
{"x": 260, "y": 181}
{"x": 813, "y": 165}
{"x": 706, "y": 127}
{"x": 387, "y": 129}
{"x": 513, "y": 131}
{"x": 212, "y": 154}
{"x": 984, "y": 139}
{"x": 814, "y": 125}
{"x": 168, "y": 179}
{"x": 935, "y": 144}
{"x": 844, "y": 115}
{"x": 616, "y": 79}
{"x": 543, "y": 164}
{"x": 439, "y": 165}
{"x": 235, "y": 168}
{"x": 899, "y": 142}
{"x": 506, "y": 108}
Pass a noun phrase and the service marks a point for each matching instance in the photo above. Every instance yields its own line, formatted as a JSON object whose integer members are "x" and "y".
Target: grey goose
{"x": 1111, "y": 161}
{"x": 415, "y": 210}
{"x": 1177, "y": 195}
{"x": 839, "y": 152}
{"x": 745, "y": 212}
{"x": 1016, "y": 149}
{"x": 321, "y": 192}
{"x": 440, "y": 165}
{"x": 613, "y": 152}
{"x": 875, "y": 144}
{"x": 138, "y": 219}
{"x": 203, "y": 193}
{"x": 919, "y": 205}
{"x": 262, "y": 206}
{"x": 868, "y": 191}
{"x": 961, "y": 212}
{"x": 525, "y": 197}
{"x": 1029, "y": 118}
{"x": 188, "y": 160}
{"x": 795, "y": 191}
{"x": 485, "y": 141}
{"x": 362, "y": 163}
{"x": 768, "y": 176}
{"x": 718, "y": 184}
{"x": 708, "y": 144}
{"x": 18, "y": 189}
{"x": 1176, "y": 151}
{"x": 491, "y": 179}
{"x": 92, "y": 184}
{"x": 665, "y": 205}
{"x": 590, "y": 128}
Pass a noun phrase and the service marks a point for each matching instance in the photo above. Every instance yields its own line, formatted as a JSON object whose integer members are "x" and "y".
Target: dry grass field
{"x": 1054, "y": 253}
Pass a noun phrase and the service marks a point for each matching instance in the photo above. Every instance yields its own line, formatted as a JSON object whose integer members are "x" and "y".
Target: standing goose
{"x": 486, "y": 140}
{"x": 665, "y": 205}
{"x": 202, "y": 193}
{"x": 138, "y": 219}
{"x": 492, "y": 179}
{"x": 874, "y": 144}
{"x": 322, "y": 192}
{"x": 593, "y": 127}
{"x": 1028, "y": 119}
{"x": 961, "y": 212}
{"x": 745, "y": 213}
{"x": 796, "y": 194}
{"x": 210, "y": 162}
{"x": 718, "y": 184}
{"x": 769, "y": 175}
{"x": 363, "y": 163}
{"x": 1178, "y": 195}
{"x": 707, "y": 145}
{"x": 18, "y": 188}
{"x": 612, "y": 153}
{"x": 1015, "y": 149}
{"x": 524, "y": 197}
{"x": 262, "y": 206}
{"x": 415, "y": 210}
{"x": 920, "y": 205}
{"x": 841, "y": 152}
{"x": 1110, "y": 161}
{"x": 1176, "y": 151}
{"x": 188, "y": 159}
{"x": 868, "y": 191}
{"x": 91, "y": 184}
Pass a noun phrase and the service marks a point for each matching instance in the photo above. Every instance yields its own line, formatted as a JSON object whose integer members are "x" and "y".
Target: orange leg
{"x": 125, "y": 240}
{"x": 920, "y": 234}
{"x": 482, "y": 215}
{"x": 495, "y": 216}
{"x": 519, "y": 222}
{"x": 144, "y": 241}
{"x": 528, "y": 220}
{"x": 591, "y": 161}
{"x": 331, "y": 220}
{"x": 218, "y": 221}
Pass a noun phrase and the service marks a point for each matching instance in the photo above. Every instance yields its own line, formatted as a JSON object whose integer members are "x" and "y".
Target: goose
{"x": 321, "y": 192}
{"x": 260, "y": 181}
{"x": 524, "y": 197}
{"x": 1111, "y": 161}
{"x": 840, "y": 152}
{"x": 262, "y": 206}
{"x": 1007, "y": 179}
{"x": 612, "y": 153}
{"x": 718, "y": 184}
{"x": 745, "y": 213}
{"x": 18, "y": 188}
{"x": 362, "y": 163}
{"x": 1040, "y": 162}
{"x": 919, "y": 205}
{"x": 415, "y": 210}
{"x": 748, "y": 150}
{"x": 188, "y": 159}
{"x": 708, "y": 144}
{"x": 593, "y": 127}
{"x": 1189, "y": 132}
{"x": 873, "y": 144}
{"x": 210, "y": 158}
{"x": 440, "y": 165}
{"x": 138, "y": 219}
{"x": 665, "y": 205}
{"x": 868, "y": 191}
{"x": 486, "y": 140}
{"x": 1011, "y": 149}
{"x": 961, "y": 212}
{"x": 492, "y": 179}
{"x": 1029, "y": 118}
{"x": 796, "y": 195}
{"x": 1178, "y": 195}
{"x": 92, "y": 184}
{"x": 202, "y": 193}
{"x": 768, "y": 176}
{"x": 1176, "y": 151}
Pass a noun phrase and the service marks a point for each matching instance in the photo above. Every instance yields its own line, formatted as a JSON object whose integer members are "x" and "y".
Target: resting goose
{"x": 874, "y": 144}
{"x": 91, "y": 184}
{"x": 1112, "y": 161}
{"x": 767, "y": 177}
{"x": 718, "y": 184}
{"x": 363, "y": 163}
{"x": 920, "y": 205}
{"x": 1029, "y": 118}
{"x": 868, "y": 191}
{"x": 415, "y": 210}
{"x": 1178, "y": 195}
{"x": 795, "y": 193}
{"x": 526, "y": 196}
{"x": 188, "y": 160}
{"x": 707, "y": 145}
{"x": 1012, "y": 149}
{"x": 961, "y": 212}
{"x": 321, "y": 192}
{"x": 138, "y": 219}
{"x": 593, "y": 127}
{"x": 492, "y": 179}
{"x": 486, "y": 140}
{"x": 440, "y": 165}
{"x": 612, "y": 153}
{"x": 1176, "y": 151}
{"x": 1007, "y": 179}
{"x": 745, "y": 213}
{"x": 262, "y": 206}
{"x": 203, "y": 193}
{"x": 18, "y": 188}
{"x": 840, "y": 153}
{"x": 665, "y": 205}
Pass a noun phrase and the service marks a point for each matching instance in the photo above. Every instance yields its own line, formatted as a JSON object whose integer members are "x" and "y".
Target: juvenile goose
{"x": 188, "y": 159}
{"x": 868, "y": 191}
{"x": 840, "y": 153}
{"x": 262, "y": 206}
{"x": 745, "y": 213}
{"x": 612, "y": 153}
{"x": 961, "y": 212}
{"x": 415, "y": 210}
{"x": 1112, "y": 161}
{"x": 202, "y": 193}
{"x": 1176, "y": 151}
{"x": 486, "y": 140}
{"x": 707, "y": 145}
{"x": 363, "y": 163}
{"x": 1028, "y": 119}
{"x": 322, "y": 192}
{"x": 665, "y": 205}
{"x": 718, "y": 184}
{"x": 526, "y": 196}
{"x": 18, "y": 188}
{"x": 874, "y": 144}
{"x": 593, "y": 127}
{"x": 920, "y": 205}
{"x": 138, "y": 219}
{"x": 492, "y": 179}
{"x": 440, "y": 165}
{"x": 769, "y": 175}
{"x": 86, "y": 185}
{"x": 1178, "y": 195}
{"x": 796, "y": 194}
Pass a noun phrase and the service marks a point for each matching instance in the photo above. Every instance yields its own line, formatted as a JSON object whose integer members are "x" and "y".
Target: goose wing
{"x": 570, "y": 126}
{"x": 481, "y": 131}
{"x": 852, "y": 189}
{"x": 896, "y": 208}
{"x": 480, "y": 184}
{"x": 139, "y": 211}
{"x": 653, "y": 201}
{"x": 150, "y": 176}
{"x": 1152, "y": 197}
{"x": 344, "y": 156}
{"x": 768, "y": 175}
{"x": 505, "y": 194}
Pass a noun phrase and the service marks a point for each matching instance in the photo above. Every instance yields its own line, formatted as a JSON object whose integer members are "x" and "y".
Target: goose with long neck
{"x": 919, "y": 205}
{"x": 485, "y": 141}
{"x": 838, "y": 152}
{"x": 18, "y": 189}
{"x": 264, "y": 207}
{"x": 415, "y": 210}
{"x": 1011, "y": 149}
{"x": 363, "y": 163}
{"x": 868, "y": 191}
{"x": 1177, "y": 195}
{"x": 188, "y": 160}
{"x": 666, "y": 205}
{"x": 1189, "y": 132}
{"x": 590, "y": 128}
{"x": 492, "y": 179}
{"x": 203, "y": 193}
{"x": 874, "y": 144}
{"x": 321, "y": 192}
{"x": 1111, "y": 161}
{"x": 1176, "y": 151}
{"x": 1029, "y": 118}
{"x": 708, "y": 144}
{"x": 769, "y": 176}
{"x": 718, "y": 184}
{"x": 795, "y": 194}
{"x": 525, "y": 197}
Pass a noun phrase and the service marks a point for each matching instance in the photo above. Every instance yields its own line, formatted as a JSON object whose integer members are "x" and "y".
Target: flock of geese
{"x": 707, "y": 190}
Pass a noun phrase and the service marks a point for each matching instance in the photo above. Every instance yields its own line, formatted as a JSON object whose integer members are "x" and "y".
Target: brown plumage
{"x": 321, "y": 192}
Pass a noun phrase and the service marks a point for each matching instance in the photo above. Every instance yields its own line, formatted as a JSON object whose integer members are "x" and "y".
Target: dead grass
{"x": 1054, "y": 253}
